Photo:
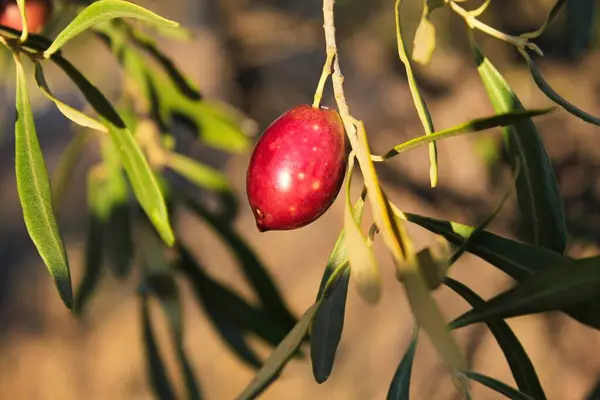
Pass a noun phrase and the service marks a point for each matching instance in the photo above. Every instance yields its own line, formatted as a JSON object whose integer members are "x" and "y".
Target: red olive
{"x": 36, "y": 13}
{"x": 297, "y": 168}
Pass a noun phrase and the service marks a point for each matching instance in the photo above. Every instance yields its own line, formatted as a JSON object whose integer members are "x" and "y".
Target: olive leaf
{"x": 498, "y": 386}
{"x": 519, "y": 362}
{"x": 326, "y": 331}
{"x": 537, "y": 189}
{"x": 424, "y": 42}
{"x": 556, "y": 8}
{"x": 400, "y": 386}
{"x": 198, "y": 173}
{"x": 71, "y": 113}
{"x": 420, "y": 104}
{"x": 63, "y": 172}
{"x": 365, "y": 270}
{"x": 143, "y": 180}
{"x": 100, "y": 11}
{"x": 34, "y": 191}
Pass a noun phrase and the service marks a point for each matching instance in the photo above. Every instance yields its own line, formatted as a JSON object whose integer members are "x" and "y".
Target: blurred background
{"x": 266, "y": 56}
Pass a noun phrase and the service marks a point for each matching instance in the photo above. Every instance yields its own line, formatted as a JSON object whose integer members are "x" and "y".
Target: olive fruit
{"x": 297, "y": 168}
{"x": 36, "y": 13}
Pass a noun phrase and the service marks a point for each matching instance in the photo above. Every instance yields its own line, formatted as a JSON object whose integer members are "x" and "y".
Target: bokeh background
{"x": 265, "y": 56}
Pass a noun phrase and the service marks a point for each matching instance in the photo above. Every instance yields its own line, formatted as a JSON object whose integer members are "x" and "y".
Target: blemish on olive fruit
{"x": 297, "y": 168}
{"x": 36, "y": 13}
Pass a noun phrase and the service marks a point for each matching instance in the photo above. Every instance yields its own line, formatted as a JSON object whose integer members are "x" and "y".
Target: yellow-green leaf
{"x": 71, "y": 113}
{"x": 101, "y": 11}
{"x": 198, "y": 173}
{"x": 424, "y": 42}
{"x": 35, "y": 195}
{"x": 364, "y": 268}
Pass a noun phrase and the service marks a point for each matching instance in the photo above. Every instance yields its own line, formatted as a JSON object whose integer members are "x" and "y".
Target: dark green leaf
{"x": 252, "y": 267}
{"x": 279, "y": 358}
{"x": 400, "y": 386}
{"x": 63, "y": 172}
{"x": 518, "y": 260}
{"x": 157, "y": 372}
{"x": 218, "y": 297}
{"x": 35, "y": 194}
{"x": 101, "y": 11}
{"x": 537, "y": 190}
{"x": 555, "y": 97}
{"x": 551, "y": 16}
{"x": 498, "y": 386}
{"x": 521, "y": 366}
{"x": 328, "y": 325}
{"x": 555, "y": 288}
{"x": 580, "y": 25}
{"x": 135, "y": 164}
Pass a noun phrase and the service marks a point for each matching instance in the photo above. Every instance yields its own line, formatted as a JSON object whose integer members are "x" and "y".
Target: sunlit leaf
{"x": 418, "y": 100}
{"x": 498, "y": 386}
{"x": 556, "y": 288}
{"x": 104, "y": 10}
{"x": 140, "y": 175}
{"x": 198, "y": 173}
{"x": 521, "y": 366}
{"x": 279, "y": 358}
{"x": 365, "y": 270}
{"x": 424, "y": 42}
{"x": 400, "y": 386}
{"x": 475, "y": 125}
{"x": 71, "y": 113}
{"x": 33, "y": 187}
{"x": 326, "y": 331}
{"x": 537, "y": 189}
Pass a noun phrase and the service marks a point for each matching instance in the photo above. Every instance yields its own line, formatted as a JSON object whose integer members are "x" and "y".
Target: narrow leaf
{"x": 252, "y": 267}
{"x": 157, "y": 371}
{"x": 520, "y": 365}
{"x": 140, "y": 175}
{"x": 279, "y": 358}
{"x": 498, "y": 386}
{"x": 101, "y": 11}
{"x": 580, "y": 25}
{"x": 365, "y": 271}
{"x": 400, "y": 386}
{"x": 475, "y": 125}
{"x": 63, "y": 172}
{"x": 537, "y": 190}
{"x": 420, "y": 104}
{"x": 555, "y": 288}
{"x": 71, "y": 113}
{"x": 198, "y": 173}
{"x": 328, "y": 324}
{"x": 516, "y": 259}
{"x": 551, "y": 16}
{"x": 424, "y": 42}
{"x": 555, "y": 97}
{"x": 35, "y": 195}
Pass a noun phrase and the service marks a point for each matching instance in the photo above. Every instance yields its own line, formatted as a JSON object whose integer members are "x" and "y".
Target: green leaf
{"x": 555, "y": 97}
{"x": 157, "y": 371}
{"x": 279, "y": 358}
{"x": 580, "y": 25}
{"x": 198, "y": 173}
{"x": 551, "y": 16}
{"x": 35, "y": 195}
{"x": 400, "y": 386}
{"x": 521, "y": 366}
{"x": 475, "y": 125}
{"x": 98, "y": 205}
{"x": 420, "y": 104}
{"x": 71, "y": 113}
{"x": 63, "y": 172}
{"x": 217, "y": 125}
{"x": 140, "y": 175}
{"x": 253, "y": 269}
{"x": 365, "y": 270}
{"x": 328, "y": 324}
{"x": 217, "y": 296}
{"x": 101, "y": 11}
{"x": 498, "y": 386}
{"x": 424, "y": 42}
{"x": 537, "y": 190}
{"x": 555, "y": 288}
{"x": 516, "y": 259}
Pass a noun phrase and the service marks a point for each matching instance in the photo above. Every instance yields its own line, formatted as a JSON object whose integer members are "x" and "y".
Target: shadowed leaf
{"x": 498, "y": 386}
{"x": 400, "y": 386}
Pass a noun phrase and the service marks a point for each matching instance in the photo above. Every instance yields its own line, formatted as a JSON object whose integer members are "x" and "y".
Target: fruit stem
{"x": 324, "y": 75}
